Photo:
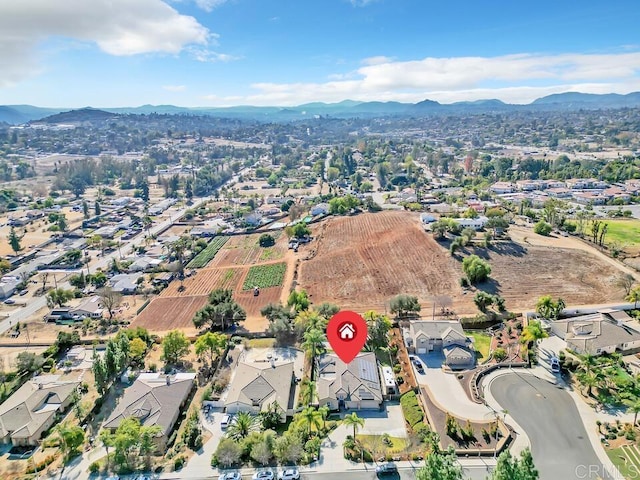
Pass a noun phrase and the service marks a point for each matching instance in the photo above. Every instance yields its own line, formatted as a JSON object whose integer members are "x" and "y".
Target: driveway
{"x": 559, "y": 442}
{"x": 446, "y": 390}
{"x": 200, "y": 463}
{"x": 390, "y": 421}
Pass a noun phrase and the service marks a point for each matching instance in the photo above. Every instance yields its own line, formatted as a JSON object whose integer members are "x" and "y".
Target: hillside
{"x": 79, "y": 116}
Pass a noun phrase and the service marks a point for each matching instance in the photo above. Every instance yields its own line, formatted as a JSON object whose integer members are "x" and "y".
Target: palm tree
{"x": 545, "y": 306}
{"x": 634, "y": 296}
{"x": 354, "y": 421}
{"x": 589, "y": 380}
{"x": 588, "y": 361}
{"x": 559, "y": 307}
{"x": 243, "y": 425}
{"x": 313, "y": 344}
{"x": 633, "y": 406}
{"x": 312, "y": 418}
{"x": 324, "y": 411}
{"x": 308, "y": 394}
{"x": 533, "y": 332}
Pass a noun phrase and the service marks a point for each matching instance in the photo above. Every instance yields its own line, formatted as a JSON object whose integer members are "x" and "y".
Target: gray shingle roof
{"x": 152, "y": 400}
{"x": 33, "y": 404}
{"x": 358, "y": 380}
{"x": 259, "y": 385}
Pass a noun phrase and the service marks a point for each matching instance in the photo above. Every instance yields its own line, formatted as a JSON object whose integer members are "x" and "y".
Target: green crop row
{"x": 265, "y": 276}
{"x": 206, "y": 255}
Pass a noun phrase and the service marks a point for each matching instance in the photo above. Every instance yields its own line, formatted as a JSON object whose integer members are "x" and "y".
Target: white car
{"x": 289, "y": 474}
{"x": 230, "y": 476}
{"x": 264, "y": 475}
{"x": 555, "y": 364}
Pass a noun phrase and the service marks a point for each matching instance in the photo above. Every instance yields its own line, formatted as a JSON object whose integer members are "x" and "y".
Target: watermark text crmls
{"x": 599, "y": 472}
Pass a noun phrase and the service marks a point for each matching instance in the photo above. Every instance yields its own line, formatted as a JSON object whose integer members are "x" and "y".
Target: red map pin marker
{"x": 347, "y": 334}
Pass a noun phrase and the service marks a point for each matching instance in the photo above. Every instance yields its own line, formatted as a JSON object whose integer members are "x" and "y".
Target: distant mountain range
{"x": 19, "y": 114}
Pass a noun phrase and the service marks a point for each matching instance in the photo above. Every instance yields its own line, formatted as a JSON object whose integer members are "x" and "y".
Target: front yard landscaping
{"x": 481, "y": 343}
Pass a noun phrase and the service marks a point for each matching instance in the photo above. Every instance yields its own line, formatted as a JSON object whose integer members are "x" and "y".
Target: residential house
{"x": 502, "y": 187}
{"x": 355, "y": 385}
{"x": 320, "y": 209}
{"x": 475, "y": 223}
{"x": 559, "y": 192}
{"x": 144, "y": 264}
{"x": 8, "y": 285}
{"x": 446, "y": 336}
{"x": 34, "y": 408}
{"x": 606, "y": 331}
{"x": 125, "y": 283}
{"x": 264, "y": 377}
{"x": 589, "y": 198}
{"x": 108, "y": 231}
{"x": 154, "y": 399}
{"x": 91, "y": 307}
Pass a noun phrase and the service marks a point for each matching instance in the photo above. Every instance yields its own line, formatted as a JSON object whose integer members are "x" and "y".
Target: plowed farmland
{"x": 167, "y": 313}
{"x": 361, "y": 262}
{"x": 175, "y": 307}
{"x": 244, "y": 250}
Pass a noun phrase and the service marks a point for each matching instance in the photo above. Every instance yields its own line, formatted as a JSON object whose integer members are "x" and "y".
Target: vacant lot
{"x": 361, "y": 262}
{"x": 166, "y": 313}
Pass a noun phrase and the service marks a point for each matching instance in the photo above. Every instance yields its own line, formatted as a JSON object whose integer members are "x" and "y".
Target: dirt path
{"x": 526, "y": 236}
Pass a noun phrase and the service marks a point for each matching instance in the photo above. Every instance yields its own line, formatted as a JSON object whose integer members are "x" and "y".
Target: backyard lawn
{"x": 481, "y": 342}
{"x": 624, "y": 232}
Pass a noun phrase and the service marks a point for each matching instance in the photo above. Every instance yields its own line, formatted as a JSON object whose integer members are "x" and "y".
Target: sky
{"x": 203, "y": 53}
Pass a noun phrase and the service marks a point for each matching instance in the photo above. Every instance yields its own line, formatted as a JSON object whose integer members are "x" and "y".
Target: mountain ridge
{"x": 20, "y": 114}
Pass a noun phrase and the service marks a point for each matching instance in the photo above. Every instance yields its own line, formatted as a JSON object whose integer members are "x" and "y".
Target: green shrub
{"x": 411, "y": 409}
{"x": 94, "y": 467}
{"x": 178, "y": 462}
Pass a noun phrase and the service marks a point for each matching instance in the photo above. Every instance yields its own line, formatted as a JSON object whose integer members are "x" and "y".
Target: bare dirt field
{"x": 361, "y": 262}
{"x": 205, "y": 280}
{"x": 167, "y": 313}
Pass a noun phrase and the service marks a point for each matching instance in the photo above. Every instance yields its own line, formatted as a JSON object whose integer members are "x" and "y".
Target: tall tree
{"x": 243, "y": 424}
{"x": 110, "y": 300}
{"x": 440, "y": 465}
{"x": 71, "y": 437}
{"x": 210, "y": 345}
{"x": 174, "y": 346}
{"x": 14, "y": 240}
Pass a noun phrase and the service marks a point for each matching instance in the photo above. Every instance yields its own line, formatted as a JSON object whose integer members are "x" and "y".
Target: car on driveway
{"x": 263, "y": 475}
{"x": 555, "y": 364}
{"x": 289, "y": 474}
{"x": 230, "y": 476}
{"x": 9, "y": 301}
{"x": 418, "y": 364}
{"x": 387, "y": 469}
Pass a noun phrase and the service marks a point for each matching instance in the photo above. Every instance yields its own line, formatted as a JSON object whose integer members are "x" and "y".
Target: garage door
{"x": 422, "y": 350}
{"x": 369, "y": 404}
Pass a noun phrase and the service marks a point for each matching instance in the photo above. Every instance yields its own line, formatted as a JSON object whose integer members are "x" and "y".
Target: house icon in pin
{"x": 347, "y": 331}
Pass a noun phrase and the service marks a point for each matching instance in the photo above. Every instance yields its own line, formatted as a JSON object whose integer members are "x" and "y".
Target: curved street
{"x": 559, "y": 442}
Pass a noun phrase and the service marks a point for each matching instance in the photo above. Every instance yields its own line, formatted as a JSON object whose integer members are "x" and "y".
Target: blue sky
{"x": 108, "y": 53}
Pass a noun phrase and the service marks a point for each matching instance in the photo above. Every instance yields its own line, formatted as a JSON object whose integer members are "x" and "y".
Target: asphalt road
{"x": 559, "y": 443}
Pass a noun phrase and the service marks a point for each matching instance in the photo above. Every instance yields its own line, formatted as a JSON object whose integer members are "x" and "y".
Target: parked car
{"x": 9, "y": 301}
{"x": 386, "y": 469}
{"x": 226, "y": 420}
{"x": 289, "y": 474}
{"x": 555, "y": 365}
{"x": 263, "y": 475}
{"x": 230, "y": 476}
{"x": 23, "y": 292}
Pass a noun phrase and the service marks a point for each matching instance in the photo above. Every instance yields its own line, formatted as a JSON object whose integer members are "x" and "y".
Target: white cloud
{"x": 209, "y": 5}
{"x": 117, "y": 27}
{"x": 202, "y": 54}
{"x": 361, "y": 3}
{"x": 379, "y": 60}
{"x": 174, "y": 88}
{"x": 514, "y": 78}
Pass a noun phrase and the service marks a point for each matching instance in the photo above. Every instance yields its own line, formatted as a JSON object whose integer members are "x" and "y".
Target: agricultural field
{"x": 361, "y": 262}
{"x": 265, "y": 276}
{"x": 245, "y": 250}
{"x": 166, "y": 313}
{"x": 208, "y": 253}
{"x": 203, "y": 281}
